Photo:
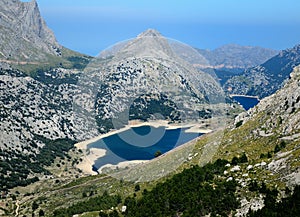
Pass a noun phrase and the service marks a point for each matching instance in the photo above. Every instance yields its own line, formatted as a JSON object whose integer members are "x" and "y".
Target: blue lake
{"x": 246, "y": 101}
{"x": 140, "y": 143}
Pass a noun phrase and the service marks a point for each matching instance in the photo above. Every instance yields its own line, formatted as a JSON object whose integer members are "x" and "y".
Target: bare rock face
{"x": 24, "y": 34}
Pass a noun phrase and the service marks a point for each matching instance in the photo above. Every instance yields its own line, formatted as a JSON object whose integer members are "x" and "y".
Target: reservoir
{"x": 246, "y": 101}
{"x": 139, "y": 143}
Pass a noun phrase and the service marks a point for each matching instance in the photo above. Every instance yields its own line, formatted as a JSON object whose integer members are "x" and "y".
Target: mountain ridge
{"x": 267, "y": 78}
{"x": 236, "y": 56}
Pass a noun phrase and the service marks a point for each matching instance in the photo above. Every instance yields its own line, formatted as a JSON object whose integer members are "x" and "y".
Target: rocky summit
{"x": 146, "y": 78}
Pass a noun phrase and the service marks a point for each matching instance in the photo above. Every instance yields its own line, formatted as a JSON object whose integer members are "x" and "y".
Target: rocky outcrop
{"x": 24, "y": 34}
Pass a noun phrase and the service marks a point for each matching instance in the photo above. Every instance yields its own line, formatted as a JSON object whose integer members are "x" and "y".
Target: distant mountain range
{"x": 233, "y": 56}
{"x": 267, "y": 78}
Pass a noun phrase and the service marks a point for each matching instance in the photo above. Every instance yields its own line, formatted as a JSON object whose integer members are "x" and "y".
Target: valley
{"x": 149, "y": 127}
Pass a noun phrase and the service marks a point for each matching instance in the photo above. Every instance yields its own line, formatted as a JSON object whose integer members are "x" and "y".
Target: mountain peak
{"x": 24, "y": 31}
{"x": 150, "y": 33}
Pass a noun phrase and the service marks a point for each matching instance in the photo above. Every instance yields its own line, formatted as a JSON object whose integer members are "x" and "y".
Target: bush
{"x": 238, "y": 124}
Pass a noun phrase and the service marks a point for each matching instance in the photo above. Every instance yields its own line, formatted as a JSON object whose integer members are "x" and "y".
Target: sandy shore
{"x": 89, "y": 159}
{"x": 122, "y": 165}
{"x": 90, "y": 156}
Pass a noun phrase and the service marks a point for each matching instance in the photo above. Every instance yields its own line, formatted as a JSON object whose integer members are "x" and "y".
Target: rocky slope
{"x": 262, "y": 149}
{"x": 146, "y": 78}
{"x": 24, "y": 32}
{"x": 30, "y": 107}
{"x": 26, "y": 41}
{"x": 38, "y": 122}
{"x": 265, "y": 79}
{"x": 279, "y": 113}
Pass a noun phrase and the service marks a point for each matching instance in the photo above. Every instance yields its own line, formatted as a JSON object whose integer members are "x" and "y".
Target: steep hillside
{"x": 146, "y": 78}
{"x": 24, "y": 32}
{"x": 265, "y": 79}
{"x": 28, "y": 44}
{"x": 37, "y": 122}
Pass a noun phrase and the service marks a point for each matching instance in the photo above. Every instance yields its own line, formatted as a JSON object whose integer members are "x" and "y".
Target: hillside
{"x": 146, "y": 79}
{"x": 27, "y": 42}
{"x": 260, "y": 166}
{"x": 265, "y": 79}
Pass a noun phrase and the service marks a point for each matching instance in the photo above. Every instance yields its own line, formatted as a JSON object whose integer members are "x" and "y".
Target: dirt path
{"x": 17, "y": 209}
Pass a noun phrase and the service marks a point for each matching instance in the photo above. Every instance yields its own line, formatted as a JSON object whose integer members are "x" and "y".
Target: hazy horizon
{"x": 91, "y": 26}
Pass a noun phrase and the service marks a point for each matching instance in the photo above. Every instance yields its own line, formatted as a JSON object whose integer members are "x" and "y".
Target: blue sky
{"x": 90, "y": 26}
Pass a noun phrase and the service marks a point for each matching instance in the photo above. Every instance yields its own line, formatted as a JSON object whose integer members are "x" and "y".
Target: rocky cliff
{"x": 28, "y": 44}
{"x": 24, "y": 34}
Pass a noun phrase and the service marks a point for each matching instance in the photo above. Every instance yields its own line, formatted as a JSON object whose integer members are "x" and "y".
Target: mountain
{"x": 252, "y": 165}
{"x": 144, "y": 78}
{"x": 267, "y": 78}
{"x": 24, "y": 32}
{"x": 27, "y": 42}
{"x": 233, "y": 56}
{"x": 43, "y": 114}
{"x": 37, "y": 122}
{"x": 38, "y": 80}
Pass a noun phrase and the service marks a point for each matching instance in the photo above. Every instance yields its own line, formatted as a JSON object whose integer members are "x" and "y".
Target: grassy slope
{"x": 69, "y": 59}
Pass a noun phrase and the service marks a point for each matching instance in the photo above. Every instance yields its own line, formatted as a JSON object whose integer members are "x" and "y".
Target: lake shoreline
{"x": 90, "y": 156}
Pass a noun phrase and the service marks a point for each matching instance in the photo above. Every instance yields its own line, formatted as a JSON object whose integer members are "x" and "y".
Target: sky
{"x": 90, "y": 26}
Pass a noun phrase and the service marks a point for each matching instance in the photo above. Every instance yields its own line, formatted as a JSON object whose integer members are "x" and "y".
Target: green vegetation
{"x": 68, "y": 60}
{"x": 157, "y": 153}
{"x": 238, "y": 124}
{"x": 194, "y": 192}
{"x": 14, "y": 166}
{"x": 153, "y": 104}
{"x": 236, "y": 160}
{"x": 103, "y": 202}
{"x": 289, "y": 206}
{"x": 43, "y": 76}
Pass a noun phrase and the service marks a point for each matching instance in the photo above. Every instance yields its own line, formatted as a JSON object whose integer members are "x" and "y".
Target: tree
{"x": 137, "y": 188}
{"x": 35, "y": 206}
{"x": 114, "y": 214}
{"x": 103, "y": 214}
{"x": 158, "y": 153}
{"x": 235, "y": 160}
{"x": 243, "y": 158}
{"x": 41, "y": 212}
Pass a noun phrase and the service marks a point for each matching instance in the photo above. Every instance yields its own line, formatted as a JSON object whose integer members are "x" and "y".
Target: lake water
{"x": 246, "y": 101}
{"x": 139, "y": 143}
